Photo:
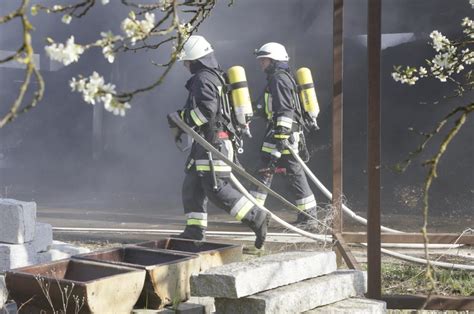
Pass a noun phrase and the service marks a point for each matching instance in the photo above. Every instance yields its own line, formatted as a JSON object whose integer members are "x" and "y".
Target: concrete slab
{"x": 189, "y": 308}
{"x": 353, "y": 306}
{"x": 17, "y": 221}
{"x": 208, "y": 303}
{"x": 182, "y": 308}
{"x": 298, "y": 297}
{"x": 51, "y": 256}
{"x": 238, "y": 280}
{"x": 68, "y": 248}
{"x": 43, "y": 237}
{"x": 60, "y": 250}
{"x": 16, "y": 255}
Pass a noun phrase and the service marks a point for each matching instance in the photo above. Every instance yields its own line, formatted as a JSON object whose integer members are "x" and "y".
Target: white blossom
{"x": 396, "y": 76}
{"x": 66, "y": 19}
{"x": 107, "y": 43}
{"x": 184, "y": 30}
{"x": 94, "y": 90}
{"x": 447, "y": 62}
{"x": 138, "y": 29}
{"x": 468, "y": 57}
{"x": 467, "y": 22}
{"x": 65, "y": 54}
{"x": 439, "y": 40}
{"x": 442, "y": 60}
{"x": 442, "y": 77}
{"x": 108, "y": 53}
{"x": 77, "y": 85}
{"x": 469, "y": 27}
{"x": 406, "y": 76}
{"x": 423, "y": 72}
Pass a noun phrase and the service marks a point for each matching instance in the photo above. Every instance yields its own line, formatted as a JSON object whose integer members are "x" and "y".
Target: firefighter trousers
{"x": 198, "y": 188}
{"x": 303, "y": 196}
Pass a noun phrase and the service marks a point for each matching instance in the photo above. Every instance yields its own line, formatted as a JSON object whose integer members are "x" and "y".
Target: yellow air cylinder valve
{"x": 307, "y": 92}
{"x": 240, "y": 95}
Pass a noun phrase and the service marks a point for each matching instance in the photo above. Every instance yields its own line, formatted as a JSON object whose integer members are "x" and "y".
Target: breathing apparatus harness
{"x": 227, "y": 117}
{"x": 306, "y": 124}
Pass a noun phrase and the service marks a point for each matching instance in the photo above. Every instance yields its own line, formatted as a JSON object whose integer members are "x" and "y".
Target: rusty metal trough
{"x": 167, "y": 272}
{"x": 211, "y": 254}
{"x": 68, "y": 285}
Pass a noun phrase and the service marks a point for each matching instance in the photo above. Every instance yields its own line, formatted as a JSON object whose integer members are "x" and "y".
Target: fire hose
{"x": 200, "y": 140}
{"x": 328, "y": 194}
{"x": 183, "y": 126}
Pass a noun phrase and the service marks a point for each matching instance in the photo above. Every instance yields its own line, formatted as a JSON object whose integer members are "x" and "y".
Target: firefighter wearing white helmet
{"x": 283, "y": 124}
{"x": 274, "y": 51}
{"x": 194, "y": 48}
{"x": 207, "y": 177}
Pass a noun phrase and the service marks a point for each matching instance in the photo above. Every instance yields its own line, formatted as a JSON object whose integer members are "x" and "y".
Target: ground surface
{"x": 110, "y": 227}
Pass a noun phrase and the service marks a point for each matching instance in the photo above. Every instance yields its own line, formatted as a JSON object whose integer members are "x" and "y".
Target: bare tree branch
{"x": 31, "y": 70}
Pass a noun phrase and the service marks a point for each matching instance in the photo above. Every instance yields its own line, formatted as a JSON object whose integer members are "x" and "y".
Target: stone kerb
{"x": 241, "y": 279}
{"x": 298, "y": 297}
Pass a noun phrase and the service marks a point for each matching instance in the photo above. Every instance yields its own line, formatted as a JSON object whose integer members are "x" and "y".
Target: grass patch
{"x": 410, "y": 279}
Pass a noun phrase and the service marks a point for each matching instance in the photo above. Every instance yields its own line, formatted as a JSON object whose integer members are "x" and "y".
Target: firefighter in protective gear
{"x": 207, "y": 177}
{"x": 282, "y": 125}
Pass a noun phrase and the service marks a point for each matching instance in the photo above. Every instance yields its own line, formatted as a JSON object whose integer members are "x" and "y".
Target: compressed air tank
{"x": 307, "y": 92}
{"x": 240, "y": 94}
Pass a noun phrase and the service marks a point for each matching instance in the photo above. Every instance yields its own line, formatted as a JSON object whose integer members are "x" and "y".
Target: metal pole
{"x": 373, "y": 137}
{"x": 338, "y": 18}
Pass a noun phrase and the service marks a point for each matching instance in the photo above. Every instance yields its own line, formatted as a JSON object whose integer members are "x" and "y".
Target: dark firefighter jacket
{"x": 280, "y": 104}
{"x": 202, "y": 111}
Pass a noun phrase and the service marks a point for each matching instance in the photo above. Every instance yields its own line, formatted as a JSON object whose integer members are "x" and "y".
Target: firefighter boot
{"x": 308, "y": 217}
{"x": 258, "y": 221}
{"x": 193, "y": 233}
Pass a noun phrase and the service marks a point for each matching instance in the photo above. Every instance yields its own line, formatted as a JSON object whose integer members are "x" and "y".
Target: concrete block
{"x": 16, "y": 255}
{"x": 51, "y": 256}
{"x": 43, "y": 237}
{"x": 208, "y": 303}
{"x": 238, "y": 280}
{"x": 3, "y": 291}
{"x": 298, "y": 297}
{"x": 60, "y": 250}
{"x": 187, "y": 308}
{"x": 183, "y": 308}
{"x": 17, "y": 221}
{"x": 68, "y": 248}
{"x": 353, "y": 306}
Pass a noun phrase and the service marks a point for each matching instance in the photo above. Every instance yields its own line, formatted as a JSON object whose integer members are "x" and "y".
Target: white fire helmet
{"x": 273, "y": 51}
{"x": 194, "y": 48}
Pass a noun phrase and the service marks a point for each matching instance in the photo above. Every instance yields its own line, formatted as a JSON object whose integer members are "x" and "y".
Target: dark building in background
{"x": 70, "y": 153}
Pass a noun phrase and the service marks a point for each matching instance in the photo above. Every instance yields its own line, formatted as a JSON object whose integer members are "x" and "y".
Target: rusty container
{"x": 211, "y": 254}
{"x": 167, "y": 272}
{"x": 75, "y": 286}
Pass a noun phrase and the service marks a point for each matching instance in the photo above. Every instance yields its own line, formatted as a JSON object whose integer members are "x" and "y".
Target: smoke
{"x": 51, "y": 154}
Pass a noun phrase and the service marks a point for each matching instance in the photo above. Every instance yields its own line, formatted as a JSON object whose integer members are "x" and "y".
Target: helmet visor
{"x": 261, "y": 53}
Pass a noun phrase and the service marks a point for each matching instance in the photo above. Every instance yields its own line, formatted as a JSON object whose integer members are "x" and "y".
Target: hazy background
{"x": 51, "y": 155}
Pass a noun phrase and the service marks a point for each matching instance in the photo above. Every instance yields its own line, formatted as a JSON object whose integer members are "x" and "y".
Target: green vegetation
{"x": 410, "y": 279}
